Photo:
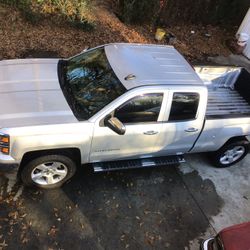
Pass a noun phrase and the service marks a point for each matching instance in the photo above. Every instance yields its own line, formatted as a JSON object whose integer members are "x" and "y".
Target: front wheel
{"x": 230, "y": 154}
{"x": 49, "y": 171}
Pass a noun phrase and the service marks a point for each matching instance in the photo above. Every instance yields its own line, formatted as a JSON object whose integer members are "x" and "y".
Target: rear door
{"x": 183, "y": 120}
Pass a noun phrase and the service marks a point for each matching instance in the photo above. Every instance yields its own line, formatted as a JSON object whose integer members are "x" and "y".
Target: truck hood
{"x": 30, "y": 94}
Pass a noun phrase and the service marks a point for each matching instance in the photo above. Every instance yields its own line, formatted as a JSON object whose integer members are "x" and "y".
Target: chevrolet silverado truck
{"x": 118, "y": 106}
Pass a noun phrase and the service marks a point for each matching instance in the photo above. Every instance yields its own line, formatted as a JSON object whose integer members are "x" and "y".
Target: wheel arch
{"x": 73, "y": 153}
{"x": 216, "y": 155}
{"x": 236, "y": 139}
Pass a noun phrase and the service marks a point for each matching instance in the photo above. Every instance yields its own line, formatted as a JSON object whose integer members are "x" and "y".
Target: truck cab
{"x": 162, "y": 115}
{"x": 153, "y": 123}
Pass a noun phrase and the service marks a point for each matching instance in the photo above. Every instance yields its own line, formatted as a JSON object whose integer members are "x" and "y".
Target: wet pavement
{"x": 162, "y": 208}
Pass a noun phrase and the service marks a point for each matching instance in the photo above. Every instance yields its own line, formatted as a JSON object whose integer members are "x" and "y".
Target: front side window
{"x": 184, "y": 106}
{"x": 89, "y": 83}
{"x": 143, "y": 108}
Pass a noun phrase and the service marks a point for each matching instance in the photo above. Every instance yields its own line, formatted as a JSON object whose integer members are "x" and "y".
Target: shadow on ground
{"x": 31, "y": 53}
{"x": 136, "y": 209}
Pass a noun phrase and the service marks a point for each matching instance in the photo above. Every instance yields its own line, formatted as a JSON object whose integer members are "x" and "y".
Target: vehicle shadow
{"x": 136, "y": 209}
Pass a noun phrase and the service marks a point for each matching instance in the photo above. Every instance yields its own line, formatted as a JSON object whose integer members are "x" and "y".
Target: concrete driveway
{"x": 164, "y": 208}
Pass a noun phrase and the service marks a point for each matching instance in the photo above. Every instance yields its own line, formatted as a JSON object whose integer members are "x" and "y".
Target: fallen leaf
{"x": 3, "y": 244}
{"x": 52, "y": 232}
{"x": 122, "y": 237}
{"x": 25, "y": 240}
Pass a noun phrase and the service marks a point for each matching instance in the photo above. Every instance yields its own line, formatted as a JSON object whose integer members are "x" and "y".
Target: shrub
{"x": 138, "y": 11}
{"x": 74, "y": 12}
{"x": 166, "y": 12}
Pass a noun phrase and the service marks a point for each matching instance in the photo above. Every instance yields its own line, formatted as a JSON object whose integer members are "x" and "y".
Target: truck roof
{"x": 145, "y": 64}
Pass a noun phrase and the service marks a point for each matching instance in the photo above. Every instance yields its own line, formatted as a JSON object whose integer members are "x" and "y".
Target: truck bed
{"x": 228, "y": 91}
{"x": 224, "y": 101}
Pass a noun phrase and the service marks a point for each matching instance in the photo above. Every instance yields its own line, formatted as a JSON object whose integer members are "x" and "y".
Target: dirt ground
{"x": 20, "y": 38}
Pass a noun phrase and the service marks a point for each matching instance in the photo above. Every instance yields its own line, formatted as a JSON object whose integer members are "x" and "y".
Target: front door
{"x": 141, "y": 116}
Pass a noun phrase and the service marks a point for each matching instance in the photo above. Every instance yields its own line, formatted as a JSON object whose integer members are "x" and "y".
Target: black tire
{"x": 218, "y": 155}
{"x": 65, "y": 163}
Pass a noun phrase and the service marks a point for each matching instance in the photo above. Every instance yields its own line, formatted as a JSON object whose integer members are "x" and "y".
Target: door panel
{"x": 175, "y": 137}
{"x": 138, "y": 140}
{"x": 185, "y": 115}
{"x": 141, "y": 114}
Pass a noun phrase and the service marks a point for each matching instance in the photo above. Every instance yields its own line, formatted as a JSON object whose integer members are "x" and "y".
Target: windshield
{"x": 89, "y": 83}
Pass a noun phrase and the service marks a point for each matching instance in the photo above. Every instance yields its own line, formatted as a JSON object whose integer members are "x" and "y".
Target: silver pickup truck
{"x": 118, "y": 106}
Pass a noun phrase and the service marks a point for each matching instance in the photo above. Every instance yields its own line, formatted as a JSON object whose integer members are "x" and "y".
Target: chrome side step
{"x": 137, "y": 163}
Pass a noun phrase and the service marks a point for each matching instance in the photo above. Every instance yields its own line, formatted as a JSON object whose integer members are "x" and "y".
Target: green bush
{"x": 70, "y": 11}
{"x": 74, "y": 12}
{"x": 204, "y": 12}
{"x": 170, "y": 12}
{"x": 138, "y": 11}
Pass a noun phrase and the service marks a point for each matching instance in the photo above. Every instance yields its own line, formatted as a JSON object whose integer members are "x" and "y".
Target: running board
{"x": 137, "y": 163}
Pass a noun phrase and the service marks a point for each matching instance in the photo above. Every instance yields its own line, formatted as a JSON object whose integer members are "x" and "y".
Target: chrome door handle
{"x": 151, "y": 132}
{"x": 191, "y": 130}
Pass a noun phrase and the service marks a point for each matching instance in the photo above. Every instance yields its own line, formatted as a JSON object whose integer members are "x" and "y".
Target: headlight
{"x": 4, "y": 143}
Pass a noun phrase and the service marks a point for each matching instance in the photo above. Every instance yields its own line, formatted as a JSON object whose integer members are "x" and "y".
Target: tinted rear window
{"x": 184, "y": 106}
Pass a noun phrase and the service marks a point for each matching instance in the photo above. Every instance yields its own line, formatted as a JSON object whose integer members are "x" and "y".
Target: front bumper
{"x": 13, "y": 167}
{"x": 8, "y": 164}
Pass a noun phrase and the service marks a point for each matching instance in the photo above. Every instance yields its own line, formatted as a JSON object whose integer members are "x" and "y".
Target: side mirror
{"x": 115, "y": 124}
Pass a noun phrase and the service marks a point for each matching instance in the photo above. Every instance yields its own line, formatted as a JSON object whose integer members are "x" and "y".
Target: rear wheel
{"x": 48, "y": 172}
{"x": 230, "y": 154}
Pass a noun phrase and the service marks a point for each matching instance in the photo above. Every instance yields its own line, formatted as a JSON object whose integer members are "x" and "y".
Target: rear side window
{"x": 184, "y": 106}
{"x": 143, "y": 108}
